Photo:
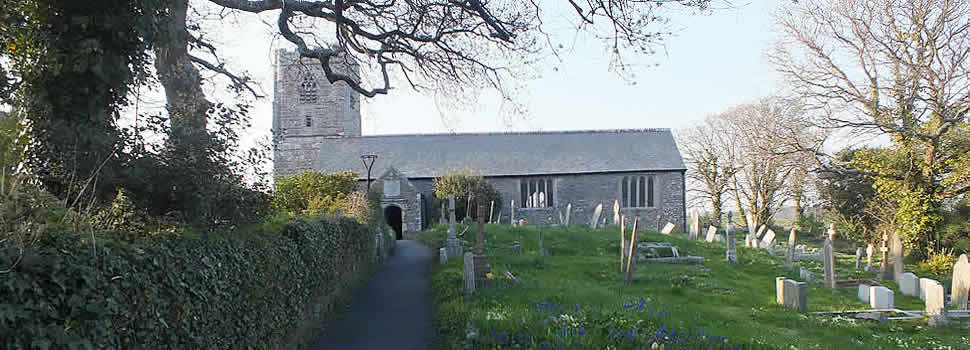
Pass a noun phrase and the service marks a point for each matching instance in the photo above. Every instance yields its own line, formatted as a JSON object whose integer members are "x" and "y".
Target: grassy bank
{"x": 575, "y": 298}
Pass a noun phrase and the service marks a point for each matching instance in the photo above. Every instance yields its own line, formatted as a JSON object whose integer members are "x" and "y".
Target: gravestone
{"x": 923, "y": 284}
{"x": 711, "y": 231}
{"x": 935, "y": 301}
{"x": 444, "y": 211}
{"x": 512, "y": 214}
{"x": 616, "y": 213}
{"x": 858, "y": 257}
{"x": 668, "y": 228}
{"x": 491, "y": 210}
{"x": 828, "y": 259}
{"x": 561, "y": 220}
{"x": 719, "y": 238}
{"x": 482, "y": 268}
{"x": 569, "y": 211}
{"x": 790, "y": 253}
{"x": 880, "y": 297}
{"x": 796, "y": 295}
{"x": 909, "y": 284}
{"x": 623, "y": 244}
{"x": 780, "y": 290}
{"x": 516, "y": 247}
{"x": 806, "y": 275}
{"x": 869, "y": 251}
{"x": 442, "y": 255}
{"x": 630, "y": 265}
{"x": 595, "y": 220}
{"x": 898, "y": 267}
{"x": 961, "y": 283}
{"x": 747, "y": 240}
{"x": 768, "y": 240}
{"x": 452, "y": 243}
{"x": 732, "y": 254}
{"x": 755, "y": 243}
{"x": 469, "y": 273}
{"x": 695, "y": 225}
{"x": 864, "y": 293}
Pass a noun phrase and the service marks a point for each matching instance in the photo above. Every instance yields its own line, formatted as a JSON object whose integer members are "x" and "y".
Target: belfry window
{"x": 309, "y": 121}
{"x": 308, "y": 90}
{"x": 537, "y": 192}
{"x": 636, "y": 191}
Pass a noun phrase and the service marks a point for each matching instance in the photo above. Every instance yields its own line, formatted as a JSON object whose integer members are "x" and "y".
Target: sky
{"x": 712, "y": 62}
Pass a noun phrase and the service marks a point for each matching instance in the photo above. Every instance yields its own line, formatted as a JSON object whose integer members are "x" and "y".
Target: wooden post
{"x": 633, "y": 246}
{"x": 622, "y": 243}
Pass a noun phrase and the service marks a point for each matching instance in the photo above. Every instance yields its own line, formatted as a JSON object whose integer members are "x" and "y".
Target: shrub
{"x": 215, "y": 293}
{"x": 463, "y": 184}
{"x": 314, "y": 193}
{"x": 939, "y": 262}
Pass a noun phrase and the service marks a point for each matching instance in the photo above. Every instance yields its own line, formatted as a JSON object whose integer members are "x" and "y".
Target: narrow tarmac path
{"x": 392, "y": 311}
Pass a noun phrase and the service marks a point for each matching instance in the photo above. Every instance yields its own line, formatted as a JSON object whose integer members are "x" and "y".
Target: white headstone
{"x": 711, "y": 231}
{"x": 828, "y": 261}
{"x": 747, "y": 240}
{"x": 761, "y": 230}
{"x": 616, "y": 213}
{"x": 755, "y": 242}
{"x": 569, "y": 211}
{"x": 935, "y": 302}
{"x": 909, "y": 284}
{"x": 768, "y": 239}
{"x": 668, "y": 228}
{"x": 512, "y": 214}
{"x": 880, "y": 297}
{"x": 864, "y": 293}
{"x": 442, "y": 255}
{"x": 780, "y": 290}
{"x": 595, "y": 220}
{"x": 961, "y": 283}
{"x": 923, "y": 283}
{"x": 869, "y": 251}
{"x": 858, "y": 257}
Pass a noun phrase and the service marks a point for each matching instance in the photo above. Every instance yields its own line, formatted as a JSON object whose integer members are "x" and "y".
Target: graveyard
{"x": 575, "y": 296}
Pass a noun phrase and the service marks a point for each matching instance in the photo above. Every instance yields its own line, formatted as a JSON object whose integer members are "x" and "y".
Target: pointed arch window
{"x": 308, "y": 89}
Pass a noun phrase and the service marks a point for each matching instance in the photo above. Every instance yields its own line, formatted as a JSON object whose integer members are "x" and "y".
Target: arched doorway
{"x": 392, "y": 216}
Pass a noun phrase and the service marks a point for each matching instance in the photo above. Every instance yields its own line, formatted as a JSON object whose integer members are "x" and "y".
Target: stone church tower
{"x": 307, "y": 109}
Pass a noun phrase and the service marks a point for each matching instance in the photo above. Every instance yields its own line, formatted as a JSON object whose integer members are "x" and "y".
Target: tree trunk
{"x": 716, "y": 203}
{"x": 187, "y": 106}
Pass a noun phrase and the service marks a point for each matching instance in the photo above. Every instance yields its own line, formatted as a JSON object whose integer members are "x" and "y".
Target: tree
{"x": 889, "y": 67}
{"x": 846, "y": 198}
{"x": 465, "y": 184}
{"x": 711, "y": 164}
{"x": 314, "y": 193}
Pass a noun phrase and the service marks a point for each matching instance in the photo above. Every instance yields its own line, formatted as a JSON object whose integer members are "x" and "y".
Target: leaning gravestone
{"x": 512, "y": 214}
{"x": 469, "y": 273}
{"x": 780, "y": 290}
{"x": 898, "y": 268}
{"x": 747, "y": 240}
{"x": 755, "y": 243}
{"x": 761, "y": 230}
{"x": 668, "y": 228}
{"x": 790, "y": 253}
{"x": 768, "y": 240}
{"x": 711, "y": 232}
{"x": 695, "y": 226}
{"x": 569, "y": 211}
{"x": 595, "y": 220}
{"x": 961, "y": 283}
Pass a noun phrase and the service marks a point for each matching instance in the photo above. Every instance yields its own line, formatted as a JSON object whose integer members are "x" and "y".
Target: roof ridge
{"x": 486, "y": 133}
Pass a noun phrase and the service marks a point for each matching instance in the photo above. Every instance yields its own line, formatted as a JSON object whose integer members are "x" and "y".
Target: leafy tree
{"x": 897, "y": 68}
{"x": 846, "y": 198}
{"x": 465, "y": 184}
{"x": 314, "y": 193}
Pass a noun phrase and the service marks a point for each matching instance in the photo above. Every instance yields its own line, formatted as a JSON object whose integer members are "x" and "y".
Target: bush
{"x": 462, "y": 185}
{"x": 313, "y": 193}
{"x": 216, "y": 293}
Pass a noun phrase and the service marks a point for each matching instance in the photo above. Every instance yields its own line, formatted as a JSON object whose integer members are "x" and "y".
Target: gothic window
{"x": 309, "y": 121}
{"x": 537, "y": 192}
{"x": 636, "y": 191}
{"x": 308, "y": 90}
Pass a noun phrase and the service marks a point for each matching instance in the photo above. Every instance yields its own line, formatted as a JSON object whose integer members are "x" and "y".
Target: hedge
{"x": 212, "y": 293}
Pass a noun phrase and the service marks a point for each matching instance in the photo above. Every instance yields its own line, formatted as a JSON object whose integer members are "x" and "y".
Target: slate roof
{"x": 506, "y": 154}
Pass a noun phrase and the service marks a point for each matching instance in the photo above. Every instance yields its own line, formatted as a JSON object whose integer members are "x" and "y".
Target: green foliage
{"x": 955, "y": 229}
{"x": 463, "y": 184}
{"x": 939, "y": 262}
{"x": 846, "y": 198}
{"x": 314, "y": 193}
{"x": 217, "y": 293}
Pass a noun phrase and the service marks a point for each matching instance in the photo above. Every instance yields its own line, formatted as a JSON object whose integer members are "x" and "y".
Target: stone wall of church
{"x": 585, "y": 191}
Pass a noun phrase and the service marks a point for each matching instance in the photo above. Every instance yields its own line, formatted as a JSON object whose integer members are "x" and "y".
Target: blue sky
{"x": 712, "y": 62}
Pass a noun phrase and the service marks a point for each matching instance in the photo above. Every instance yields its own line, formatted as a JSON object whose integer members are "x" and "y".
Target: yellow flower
{"x": 489, "y": 275}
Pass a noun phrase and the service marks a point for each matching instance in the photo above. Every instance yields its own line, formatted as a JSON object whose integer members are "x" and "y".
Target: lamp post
{"x": 368, "y": 160}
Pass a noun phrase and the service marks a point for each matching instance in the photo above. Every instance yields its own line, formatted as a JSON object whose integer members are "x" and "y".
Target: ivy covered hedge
{"x": 212, "y": 293}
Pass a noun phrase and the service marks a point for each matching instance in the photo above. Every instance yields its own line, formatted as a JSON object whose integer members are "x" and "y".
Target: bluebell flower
{"x": 582, "y": 331}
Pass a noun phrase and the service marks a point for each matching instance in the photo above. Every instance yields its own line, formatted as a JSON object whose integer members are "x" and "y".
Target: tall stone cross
{"x": 454, "y": 247}
{"x": 732, "y": 253}
{"x": 884, "y": 273}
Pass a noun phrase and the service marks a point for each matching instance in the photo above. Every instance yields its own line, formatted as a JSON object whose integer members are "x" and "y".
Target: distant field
{"x": 575, "y": 298}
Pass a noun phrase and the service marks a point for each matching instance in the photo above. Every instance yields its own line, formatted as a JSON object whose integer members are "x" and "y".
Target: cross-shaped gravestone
{"x": 884, "y": 273}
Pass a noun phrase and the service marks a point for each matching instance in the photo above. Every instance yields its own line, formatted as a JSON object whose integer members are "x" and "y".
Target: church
{"x": 316, "y": 125}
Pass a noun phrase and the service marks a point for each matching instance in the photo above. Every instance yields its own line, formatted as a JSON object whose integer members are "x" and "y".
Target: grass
{"x": 711, "y": 305}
